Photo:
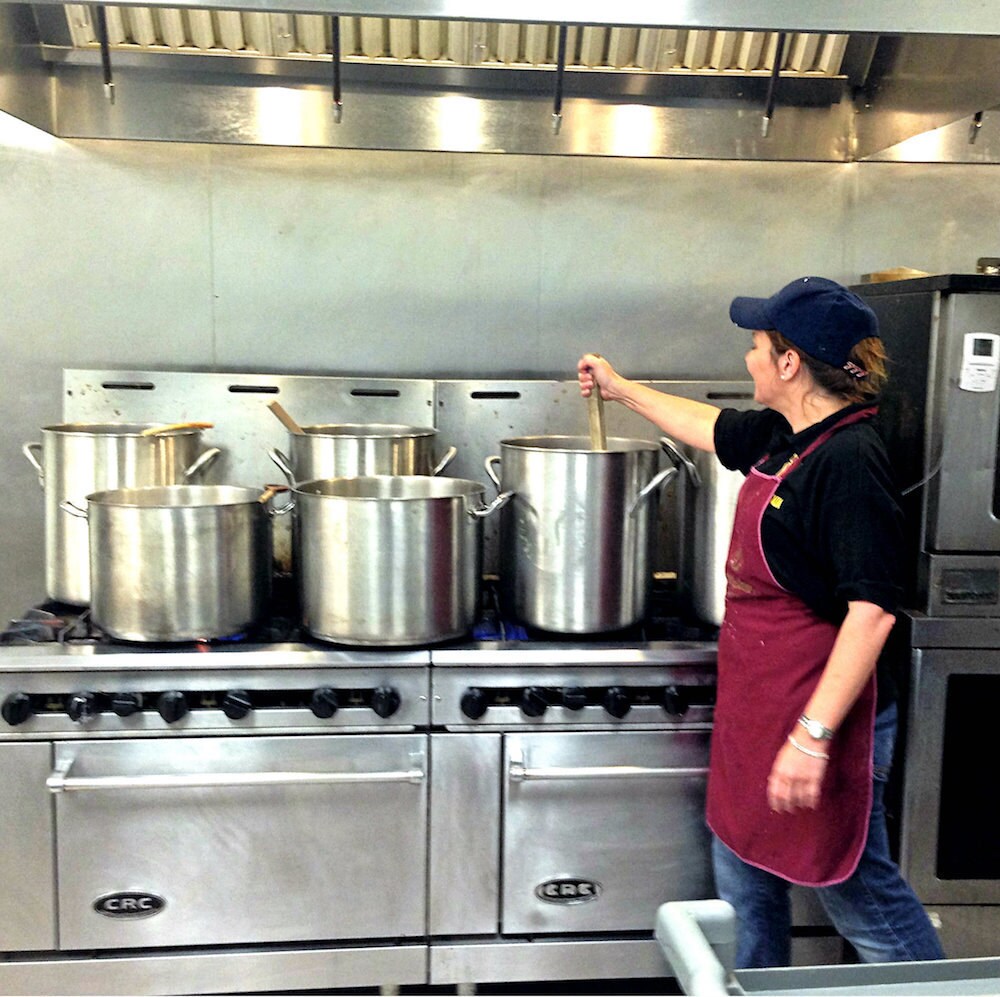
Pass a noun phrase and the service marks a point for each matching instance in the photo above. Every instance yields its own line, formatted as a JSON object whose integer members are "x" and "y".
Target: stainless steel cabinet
{"x": 27, "y": 897}
{"x": 601, "y": 828}
{"x": 231, "y": 840}
{"x": 566, "y": 832}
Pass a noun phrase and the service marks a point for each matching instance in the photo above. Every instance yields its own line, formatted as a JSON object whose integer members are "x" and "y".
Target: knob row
{"x": 173, "y": 705}
{"x": 535, "y": 700}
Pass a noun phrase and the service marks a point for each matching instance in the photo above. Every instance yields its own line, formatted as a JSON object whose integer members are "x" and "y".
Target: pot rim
{"x": 116, "y": 429}
{"x": 423, "y": 487}
{"x": 186, "y": 496}
{"x": 578, "y": 445}
{"x": 366, "y": 430}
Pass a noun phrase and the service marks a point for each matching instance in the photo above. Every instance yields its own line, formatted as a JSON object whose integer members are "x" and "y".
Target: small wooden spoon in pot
{"x": 156, "y": 430}
{"x": 286, "y": 420}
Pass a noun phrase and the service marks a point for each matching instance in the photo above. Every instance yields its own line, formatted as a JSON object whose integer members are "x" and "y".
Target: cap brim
{"x": 750, "y": 313}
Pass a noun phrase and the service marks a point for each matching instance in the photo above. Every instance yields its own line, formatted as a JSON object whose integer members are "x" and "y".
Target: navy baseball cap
{"x": 821, "y": 317}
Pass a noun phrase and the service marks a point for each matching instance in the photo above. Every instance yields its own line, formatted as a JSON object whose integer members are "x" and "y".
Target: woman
{"x": 813, "y": 575}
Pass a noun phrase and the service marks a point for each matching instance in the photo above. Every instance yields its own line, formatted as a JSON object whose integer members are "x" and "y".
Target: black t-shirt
{"x": 834, "y": 532}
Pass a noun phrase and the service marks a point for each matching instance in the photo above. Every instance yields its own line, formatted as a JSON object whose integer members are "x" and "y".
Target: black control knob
{"x": 616, "y": 702}
{"x": 385, "y": 701}
{"x": 81, "y": 706}
{"x": 126, "y": 703}
{"x": 534, "y": 701}
{"x": 674, "y": 701}
{"x": 574, "y": 698}
{"x": 16, "y": 708}
{"x": 474, "y": 703}
{"x": 324, "y": 702}
{"x": 172, "y": 706}
{"x": 236, "y": 704}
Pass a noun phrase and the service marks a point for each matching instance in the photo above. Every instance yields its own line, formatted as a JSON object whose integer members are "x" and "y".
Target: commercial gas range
{"x": 291, "y": 815}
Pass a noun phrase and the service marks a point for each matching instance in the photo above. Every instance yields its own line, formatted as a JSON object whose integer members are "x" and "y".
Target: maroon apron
{"x": 772, "y": 651}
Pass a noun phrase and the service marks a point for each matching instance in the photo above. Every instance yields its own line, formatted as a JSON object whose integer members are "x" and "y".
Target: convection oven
{"x": 941, "y": 416}
{"x": 950, "y": 842}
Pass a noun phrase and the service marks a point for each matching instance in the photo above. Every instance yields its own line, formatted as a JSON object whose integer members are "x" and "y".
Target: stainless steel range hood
{"x": 485, "y": 77}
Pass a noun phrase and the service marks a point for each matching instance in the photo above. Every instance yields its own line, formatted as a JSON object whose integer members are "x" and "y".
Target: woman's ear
{"x": 788, "y": 364}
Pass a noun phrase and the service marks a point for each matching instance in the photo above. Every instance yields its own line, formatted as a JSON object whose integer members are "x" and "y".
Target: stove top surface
{"x": 54, "y": 630}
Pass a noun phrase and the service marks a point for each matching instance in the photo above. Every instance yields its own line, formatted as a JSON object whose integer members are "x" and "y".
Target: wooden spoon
{"x": 156, "y": 430}
{"x": 595, "y": 411}
{"x": 286, "y": 420}
{"x": 270, "y": 491}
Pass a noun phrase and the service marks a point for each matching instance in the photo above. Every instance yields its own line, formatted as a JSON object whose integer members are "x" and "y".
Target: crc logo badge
{"x": 129, "y": 904}
{"x": 568, "y": 891}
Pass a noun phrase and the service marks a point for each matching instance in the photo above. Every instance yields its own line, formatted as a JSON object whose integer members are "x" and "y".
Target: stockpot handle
{"x": 202, "y": 463}
{"x": 29, "y": 450}
{"x": 498, "y": 503}
{"x": 680, "y": 460}
{"x": 284, "y": 465}
{"x": 660, "y": 479}
{"x": 490, "y": 465}
{"x": 450, "y": 454}
{"x": 74, "y": 510}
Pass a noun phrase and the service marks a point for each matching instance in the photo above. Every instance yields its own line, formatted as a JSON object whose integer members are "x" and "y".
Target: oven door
{"x": 600, "y": 828}
{"x": 948, "y": 843}
{"x": 211, "y": 841}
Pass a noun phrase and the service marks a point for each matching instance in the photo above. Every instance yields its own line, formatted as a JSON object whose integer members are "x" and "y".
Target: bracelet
{"x": 808, "y": 751}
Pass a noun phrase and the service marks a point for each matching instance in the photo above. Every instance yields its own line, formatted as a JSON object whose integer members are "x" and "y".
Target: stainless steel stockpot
{"x": 363, "y": 450}
{"x": 576, "y": 537}
{"x": 716, "y": 491}
{"x": 390, "y": 559}
{"x": 77, "y": 459}
{"x": 178, "y": 562}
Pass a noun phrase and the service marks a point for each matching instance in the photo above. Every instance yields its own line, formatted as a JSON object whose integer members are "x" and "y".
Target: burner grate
{"x": 59, "y": 623}
{"x": 50, "y": 623}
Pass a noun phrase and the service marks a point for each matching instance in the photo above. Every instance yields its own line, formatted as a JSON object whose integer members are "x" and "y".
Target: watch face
{"x": 815, "y": 729}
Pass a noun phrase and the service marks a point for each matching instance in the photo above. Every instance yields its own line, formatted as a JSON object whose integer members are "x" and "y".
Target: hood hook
{"x": 560, "y": 69}
{"x": 779, "y": 55}
{"x": 338, "y": 103}
{"x": 102, "y": 37}
{"x": 977, "y": 123}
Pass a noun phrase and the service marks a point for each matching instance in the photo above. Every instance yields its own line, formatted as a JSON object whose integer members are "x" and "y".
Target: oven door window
{"x": 967, "y": 836}
{"x": 601, "y": 828}
{"x": 209, "y": 841}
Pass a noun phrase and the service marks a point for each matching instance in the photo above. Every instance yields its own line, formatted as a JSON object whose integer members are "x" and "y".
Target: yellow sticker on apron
{"x": 776, "y": 501}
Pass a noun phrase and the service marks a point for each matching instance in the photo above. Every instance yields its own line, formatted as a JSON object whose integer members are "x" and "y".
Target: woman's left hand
{"x": 795, "y": 781}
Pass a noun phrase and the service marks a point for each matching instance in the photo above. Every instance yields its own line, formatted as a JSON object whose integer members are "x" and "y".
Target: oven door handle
{"x": 519, "y": 771}
{"x": 61, "y": 782}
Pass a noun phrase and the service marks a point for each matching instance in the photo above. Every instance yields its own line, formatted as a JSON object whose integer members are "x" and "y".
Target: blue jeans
{"x": 875, "y": 909}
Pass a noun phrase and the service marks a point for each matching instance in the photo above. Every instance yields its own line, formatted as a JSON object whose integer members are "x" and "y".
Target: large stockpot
{"x": 389, "y": 559}
{"x": 709, "y": 528}
{"x": 77, "y": 459}
{"x": 576, "y": 538}
{"x": 363, "y": 450}
{"x": 178, "y": 562}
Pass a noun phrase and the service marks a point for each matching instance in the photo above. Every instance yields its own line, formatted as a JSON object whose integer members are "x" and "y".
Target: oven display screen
{"x": 967, "y": 830}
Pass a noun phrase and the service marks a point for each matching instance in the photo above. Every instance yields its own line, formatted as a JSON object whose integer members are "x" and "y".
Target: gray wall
{"x": 160, "y": 256}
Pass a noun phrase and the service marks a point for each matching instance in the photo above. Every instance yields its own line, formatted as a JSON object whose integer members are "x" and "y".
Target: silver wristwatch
{"x": 815, "y": 729}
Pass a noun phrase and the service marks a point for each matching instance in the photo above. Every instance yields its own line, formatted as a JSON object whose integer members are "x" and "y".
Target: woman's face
{"x": 763, "y": 368}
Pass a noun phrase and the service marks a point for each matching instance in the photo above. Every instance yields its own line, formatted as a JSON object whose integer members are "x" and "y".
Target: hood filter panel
{"x": 411, "y": 42}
